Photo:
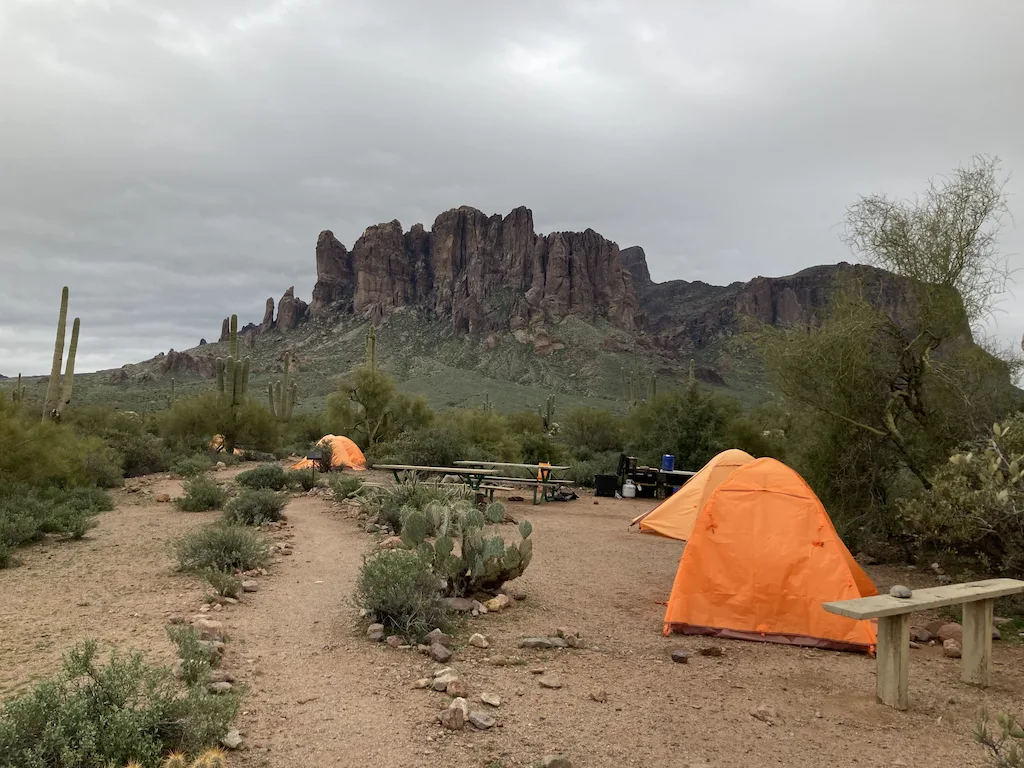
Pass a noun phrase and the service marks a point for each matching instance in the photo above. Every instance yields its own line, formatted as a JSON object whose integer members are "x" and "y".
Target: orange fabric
{"x": 344, "y": 453}
{"x": 762, "y": 558}
{"x": 540, "y": 472}
{"x": 675, "y": 516}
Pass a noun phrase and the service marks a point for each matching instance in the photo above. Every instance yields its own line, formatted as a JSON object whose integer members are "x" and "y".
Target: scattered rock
{"x": 250, "y": 585}
{"x": 394, "y": 641}
{"x": 538, "y": 671}
{"x": 996, "y": 634}
{"x": 481, "y": 720}
{"x": 951, "y": 648}
{"x": 453, "y": 719}
{"x": 1000, "y": 621}
{"x": 460, "y": 604}
{"x": 936, "y": 568}
{"x": 499, "y": 660}
{"x": 535, "y": 642}
{"x": 391, "y": 542}
{"x": 920, "y": 635}
{"x": 499, "y": 603}
{"x": 680, "y": 657}
{"x": 713, "y": 650}
{"x": 232, "y": 739}
{"x": 457, "y": 688}
{"x": 422, "y": 683}
{"x": 599, "y": 696}
{"x": 209, "y": 629}
{"x": 555, "y": 761}
{"x": 491, "y": 699}
{"x": 163, "y": 498}
{"x": 439, "y": 637}
{"x": 177, "y": 669}
{"x": 479, "y": 641}
{"x": 914, "y": 645}
{"x": 222, "y": 687}
{"x": 460, "y": 704}
{"x": 933, "y": 626}
{"x": 439, "y": 653}
{"x": 220, "y": 465}
{"x": 766, "y": 714}
{"x": 221, "y": 676}
{"x": 370, "y": 527}
{"x": 865, "y": 559}
{"x": 558, "y": 642}
{"x": 375, "y": 632}
{"x": 949, "y": 631}
{"x": 900, "y": 591}
{"x": 944, "y": 579}
{"x": 549, "y": 681}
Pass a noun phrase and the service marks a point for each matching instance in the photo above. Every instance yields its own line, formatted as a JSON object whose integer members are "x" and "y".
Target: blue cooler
{"x": 668, "y": 462}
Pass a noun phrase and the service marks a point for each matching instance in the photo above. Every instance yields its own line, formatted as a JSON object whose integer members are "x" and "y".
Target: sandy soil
{"x": 320, "y": 694}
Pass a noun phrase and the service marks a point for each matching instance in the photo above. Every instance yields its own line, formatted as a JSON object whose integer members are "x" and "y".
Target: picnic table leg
{"x": 535, "y": 495}
{"x": 977, "y": 648}
{"x": 893, "y": 656}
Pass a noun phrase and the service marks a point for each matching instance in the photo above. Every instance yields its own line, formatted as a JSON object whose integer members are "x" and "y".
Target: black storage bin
{"x": 605, "y": 485}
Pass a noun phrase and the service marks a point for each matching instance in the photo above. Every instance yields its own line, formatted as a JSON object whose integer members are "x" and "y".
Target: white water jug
{"x": 628, "y": 490}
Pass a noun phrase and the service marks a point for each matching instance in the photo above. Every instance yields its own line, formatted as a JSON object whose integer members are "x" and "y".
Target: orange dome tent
{"x": 344, "y": 453}
{"x": 762, "y": 558}
{"x": 674, "y": 517}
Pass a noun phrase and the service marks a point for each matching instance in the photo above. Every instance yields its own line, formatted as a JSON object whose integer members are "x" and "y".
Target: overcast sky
{"x": 173, "y": 162}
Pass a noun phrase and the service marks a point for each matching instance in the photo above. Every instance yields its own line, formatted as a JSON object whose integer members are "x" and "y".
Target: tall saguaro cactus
{"x": 19, "y": 392}
{"x": 58, "y": 391}
{"x": 233, "y": 373}
{"x": 547, "y": 412}
{"x": 283, "y": 394}
{"x": 371, "y": 349}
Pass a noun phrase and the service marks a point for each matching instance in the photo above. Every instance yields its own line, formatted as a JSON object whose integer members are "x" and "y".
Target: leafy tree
{"x": 369, "y": 406}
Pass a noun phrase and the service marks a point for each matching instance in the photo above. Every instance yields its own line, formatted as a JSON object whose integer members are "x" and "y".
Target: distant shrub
{"x": 391, "y": 503}
{"x": 222, "y": 548}
{"x": 190, "y": 466}
{"x": 124, "y": 712}
{"x": 201, "y": 495}
{"x": 397, "y": 589}
{"x": 142, "y": 453}
{"x": 255, "y": 507}
{"x": 103, "y": 466}
{"x": 581, "y": 471}
{"x": 197, "y": 658}
{"x": 345, "y": 486}
{"x": 267, "y": 476}
{"x": 223, "y": 583}
{"x": 301, "y": 478}
{"x": 539, "y": 447}
{"x": 595, "y": 429}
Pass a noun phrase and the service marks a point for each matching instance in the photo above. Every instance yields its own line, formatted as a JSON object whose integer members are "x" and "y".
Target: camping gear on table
{"x": 668, "y": 462}
{"x": 344, "y": 453}
{"x": 628, "y": 490}
{"x": 762, "y": 557}
{"x": 674, "y": 517}
{"x": 605, "y": 485}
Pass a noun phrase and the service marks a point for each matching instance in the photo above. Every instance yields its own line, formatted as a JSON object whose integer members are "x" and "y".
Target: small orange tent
{"x": 762, "y": 558}
{"x": 674, "y": 517}
{"x": 344, "y": 453}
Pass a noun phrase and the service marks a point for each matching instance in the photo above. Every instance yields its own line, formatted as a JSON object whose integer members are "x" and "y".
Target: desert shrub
{"x": 596, "y": 429}
{"x": 197, "y": 658}
{"x": 201, "y": 495}
{"x": 103, "y": 466}
{"x": 368, "y": 407}
{"x": 255, "y": 507}
{"x": 190, "y": 466}
{"x": 28, "y": 513}
{"x": 301, "y": 478}
{"x": 141, "y": 452}
{"x": 345, "y": 486}
{"x": 582, "y": 471}
{"x": 436, "y": 446}
{"x": 110, "y": 715}
{"x": 397, "y": 589}
{"x": 1005, "y": 748}
{"x": 539, "y": 447}
{"x": 974, "y": 510}
{"x": 266, "y": 476}
{"x": 224, "y": 584}
{"x": 524, "y": 423}
{"x": 226, "y": 548}
{"x": 391, "y": 503}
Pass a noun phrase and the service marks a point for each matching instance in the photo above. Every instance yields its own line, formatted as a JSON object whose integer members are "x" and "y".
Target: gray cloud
{"x": 173, "y": 162}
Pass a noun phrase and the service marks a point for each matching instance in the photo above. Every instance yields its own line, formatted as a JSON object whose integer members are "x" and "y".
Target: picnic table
{"x": 893, "y": 614}
{"x": 671, "y": 478}
{"x": 474, "y": 478}
{"x": 544, "y": 470}
{"x": 540, "y": 478}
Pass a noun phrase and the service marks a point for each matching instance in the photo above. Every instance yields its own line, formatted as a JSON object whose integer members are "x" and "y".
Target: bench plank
{"x": 881, "y": 606}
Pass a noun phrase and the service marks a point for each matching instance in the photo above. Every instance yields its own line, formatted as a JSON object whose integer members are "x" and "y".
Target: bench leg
{"x": 977, "y": 647}
{"x": 893, "y": 655}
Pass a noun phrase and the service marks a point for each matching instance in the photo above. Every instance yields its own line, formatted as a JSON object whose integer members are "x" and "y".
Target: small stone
{"x": 499, "y": 603}
{"x": 440, "y": 684}
{"x": 479, "y": 641}
{"x": 537, "y": 671}
{"x": 920, "y": 635}
{"x": 599, "y": 696}
{"x": 945, "y": 579}
{"x": 951, "y": 648}
{"x": 443, "y": 671}
{"x": 232, "y": 739}
{"x": 680, "y": 657}
{"x": 460, "y": 604}
{"x": 549, "y": 681}
{"x": 937, "y": 568}
{"x": 369, "y": 527}
{"x": 204, "y": 609}
{"x": 394, "y": 641}
{"x": 209, "y": 629}
{"x": 713, "y": 650}
{"x": 996, "y": 634}
{"x": 217, "y": 608}
{"x": 439, "y": 653}
{"x": 535, "y": 642}
{"x": 900, "y": 591}
{"x": 460, "y": 704}
{"x": 177, "y": 669}
{"x": 439, "y": 637}
{"x": 391, "y": 542}
{"x": 457, "y": 688}
{"x": 765, "y": 713}
{"x": 555, "y": 761}
{"x": 481, "y": 720}
{"x": 914, "y": 645}
{"x": 221, "y": 676}
{"x": 163, "y": 498}
{"x": 499, "y": 660}
{"x": 222, "y": 687}
{"x": 491, "y": 699}
{"x": 422, "y": 683}
{"x": 453, "y": 719}
{"x": 220, "y": 465}
{"x": 375, "y": 632}
{"x": 951, "y": 630}
{"x": 558, "y": 642}
{"x": 250, "y": 585}
{"x": 1000, "y": 621}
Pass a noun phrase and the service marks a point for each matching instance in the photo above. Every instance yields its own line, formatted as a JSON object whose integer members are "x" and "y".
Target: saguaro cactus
{"x": 487, "y": 402}
{"x": 547, "y": 412}
{"x": 283, "y": 394}
{"x": 371, "y": 349}
{"x": 19, "y": 392}
{"x": 58, "y": 391}
{"x": 233, "y": 373}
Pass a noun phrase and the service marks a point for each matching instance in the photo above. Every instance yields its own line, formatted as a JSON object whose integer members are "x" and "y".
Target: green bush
{"x": 255, "y": 508}
{"x": 437, "y": 446}
{"x": 226, "y": 548}
{"x": 197, "y": 657}
{"x": 93, "y": 716}
{"x": 536, "y": 448}
{"x": 596, "y": 429}
{"x": 141, "y": 452}
{"x": 391, "y": 503}
{"x": 103, "y": 466}
{"x": 190, "y": 466}
{"x": 345, "y": 486}
{"x": 267, "y": 476}
{"x": 1005, "y": 748}
{"x": 582, "y": 471}
{"x": 301, "y": 478}
{"x": 201, "y": 495}
{"x": 223, "y": 583}
{"x": 397, "y": 589}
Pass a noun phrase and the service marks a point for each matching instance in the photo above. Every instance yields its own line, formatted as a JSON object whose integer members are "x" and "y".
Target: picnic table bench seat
{"x": 893, "y": 614}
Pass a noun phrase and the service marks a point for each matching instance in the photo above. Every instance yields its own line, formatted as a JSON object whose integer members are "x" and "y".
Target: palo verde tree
{"x": 892, "y": 372}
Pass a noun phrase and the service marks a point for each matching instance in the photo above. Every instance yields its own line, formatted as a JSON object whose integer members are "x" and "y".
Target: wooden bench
{"x": 543, "y": 485}
{"x": 492, "y": 488}
{"x": 893, "y": 614}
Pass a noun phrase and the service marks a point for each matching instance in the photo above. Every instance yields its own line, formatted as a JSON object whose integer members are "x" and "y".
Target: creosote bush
{"x": 197, "y": 658}
{"x": 201, "y": 494}
{"x": 345, "y": 486}
{"x": 267, "y": 476}
{"x": 391, "y": 503}
{"x": 110, "y": 715}
{"x": 190, "y": 466}
{"x": 255, "y": 507}
{"x": 223, "y": 583}
{"x": 222, "y": 548}
{"x": 301, "y": 478}
{"x": 397, "y": 589}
